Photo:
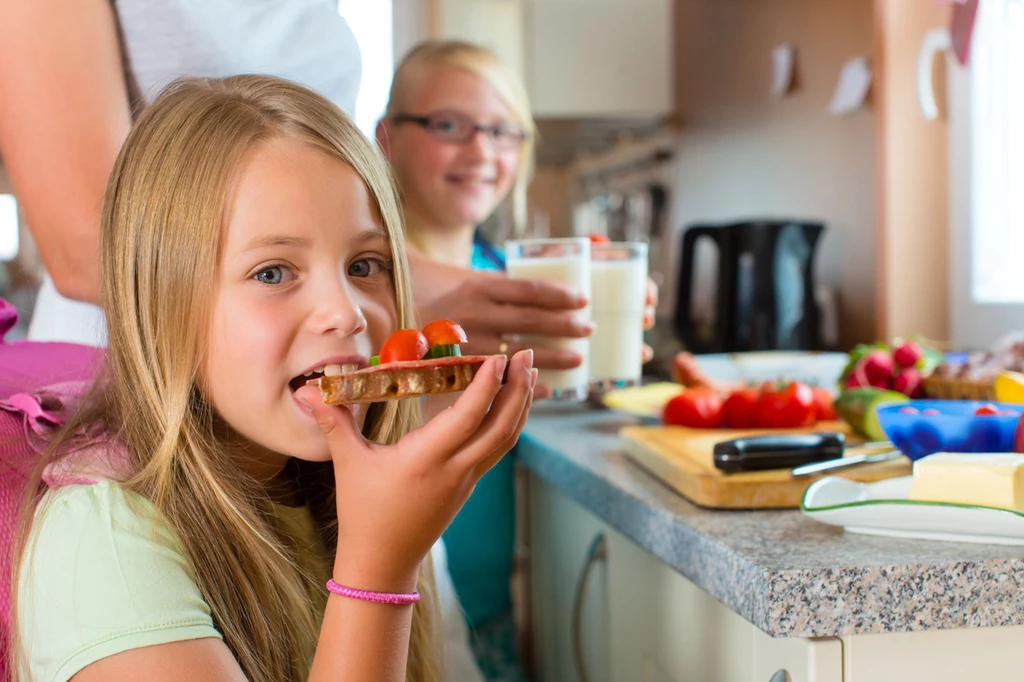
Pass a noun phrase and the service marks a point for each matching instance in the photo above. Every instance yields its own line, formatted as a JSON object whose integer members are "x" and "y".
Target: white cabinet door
{"x": 610, "y": 58}
{"x": 495, "y": 24}
{"x": 641, "y": 621}
{"x": 989, "y": 654}
{"x": 666, "y": 629}
{"x": 562, "y": 534}
{"x": 578, "y": 58}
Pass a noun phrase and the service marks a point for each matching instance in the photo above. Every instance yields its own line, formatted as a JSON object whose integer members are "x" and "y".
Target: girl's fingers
{"x": 338, "y": 424}
{"x": 547, "y": 358}
{"x": 503, "y": 449}
{"x": 448, "y": 432}
{"x": 652, "y": 293}
{"x": 499, "y": 426}
{"x": 646, "y": 354}
{"x": 650, "y": 304}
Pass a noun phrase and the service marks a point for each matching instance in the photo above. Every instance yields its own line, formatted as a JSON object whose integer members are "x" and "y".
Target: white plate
{"x": 884, "y": 508}
{"x": 821, "y": 369}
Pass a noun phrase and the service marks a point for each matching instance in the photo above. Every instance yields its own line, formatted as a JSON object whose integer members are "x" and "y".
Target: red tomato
{"x": 444, "y": 333}
{"x": 986, "y": 411}
{"x": 598, "y": 238}
{"x": 824, "y": 406}
{"x": 786, "y": 407}
{"x": 696, "y": 408}
{"x": 405, "y": 344}
{"x": 738, "y": 411}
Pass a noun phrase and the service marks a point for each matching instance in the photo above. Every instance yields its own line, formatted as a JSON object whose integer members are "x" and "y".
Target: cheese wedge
{"x": 987, "y": 480}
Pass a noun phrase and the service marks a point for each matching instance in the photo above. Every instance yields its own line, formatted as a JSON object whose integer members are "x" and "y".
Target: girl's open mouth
{"x": 300, "y": 381}
{"x": 327, "y": 370}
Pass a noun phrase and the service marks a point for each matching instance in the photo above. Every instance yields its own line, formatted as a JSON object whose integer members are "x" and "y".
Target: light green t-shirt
{"x": 104, "y": 574}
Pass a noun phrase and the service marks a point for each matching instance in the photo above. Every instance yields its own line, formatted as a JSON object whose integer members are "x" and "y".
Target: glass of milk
{"x": 618, "y": 272}
{"x": 565, "y": 262}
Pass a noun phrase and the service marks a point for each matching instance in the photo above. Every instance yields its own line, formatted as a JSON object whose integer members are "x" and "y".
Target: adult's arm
{"x": 64, "y": 113}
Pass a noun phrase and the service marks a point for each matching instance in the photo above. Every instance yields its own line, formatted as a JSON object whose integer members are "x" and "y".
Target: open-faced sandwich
{"x": 411, "y": 363}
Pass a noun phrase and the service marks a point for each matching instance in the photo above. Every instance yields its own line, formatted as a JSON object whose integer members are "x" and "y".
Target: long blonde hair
{"x": 485, "y": 65}
{"x": 161, "y": 232}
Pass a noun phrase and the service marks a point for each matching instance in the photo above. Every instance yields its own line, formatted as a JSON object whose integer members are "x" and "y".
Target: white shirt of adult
{"x": 306, "y": 41}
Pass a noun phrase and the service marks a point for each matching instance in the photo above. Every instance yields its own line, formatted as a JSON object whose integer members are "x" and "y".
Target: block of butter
{"x": 987, "y": 480}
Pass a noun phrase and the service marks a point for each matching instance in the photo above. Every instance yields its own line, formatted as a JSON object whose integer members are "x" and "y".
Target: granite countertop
{"x": 786, "y": 574}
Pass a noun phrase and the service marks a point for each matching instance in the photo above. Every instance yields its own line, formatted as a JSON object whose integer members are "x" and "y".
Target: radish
{"x": 908, "y": 354}
{"x": 908, "y": 382}
{"x": 877, "y": 366}
{"x": 857, "y": 380}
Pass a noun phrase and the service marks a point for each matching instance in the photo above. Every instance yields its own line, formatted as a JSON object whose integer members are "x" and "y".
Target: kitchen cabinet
{"x": 663, "y": 628}
{"x": 641, "y": 620}
{"x": 578, "y": 58}
{"x": 562, "y": 534}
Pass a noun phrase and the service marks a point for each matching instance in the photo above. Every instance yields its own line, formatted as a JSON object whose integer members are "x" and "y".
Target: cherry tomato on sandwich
{"x": 782, "y": 407}
{"x": 738, "y": 411}
{"x": 696, "y": 408}
{"x": 824, "y": 405}
{"x": 444, "y": 333}
{"x": 404, "y": 345}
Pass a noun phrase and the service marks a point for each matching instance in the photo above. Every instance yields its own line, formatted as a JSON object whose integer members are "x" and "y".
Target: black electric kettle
{"x": 765, "y": 288}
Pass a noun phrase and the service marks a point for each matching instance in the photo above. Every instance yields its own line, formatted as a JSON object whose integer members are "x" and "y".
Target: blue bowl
{"x": 955, "y": 429}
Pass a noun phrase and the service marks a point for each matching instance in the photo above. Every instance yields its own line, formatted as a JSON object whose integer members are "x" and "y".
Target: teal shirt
{"x": 481, "y": 539}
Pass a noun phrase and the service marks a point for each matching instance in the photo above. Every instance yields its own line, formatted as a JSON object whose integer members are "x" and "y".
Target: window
{"x": 8, "y": 227}
{"x": 371, "y": 22}
{"x": 997, "y": 153}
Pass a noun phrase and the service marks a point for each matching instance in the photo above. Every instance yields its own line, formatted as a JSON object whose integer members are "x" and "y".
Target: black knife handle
{"x": 759, "y": 453}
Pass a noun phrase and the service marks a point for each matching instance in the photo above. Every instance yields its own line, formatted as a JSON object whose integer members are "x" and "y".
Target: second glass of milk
{"x": 618, "y": 272}
{"x": 565, "y": 262}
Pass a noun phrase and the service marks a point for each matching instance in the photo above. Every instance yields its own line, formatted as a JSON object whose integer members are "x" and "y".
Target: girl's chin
{"x": 472, "y": 216}
{"x": 313, "y": 455}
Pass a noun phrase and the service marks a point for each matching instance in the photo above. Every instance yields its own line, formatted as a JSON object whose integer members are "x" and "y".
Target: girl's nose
{"x": 480, "y": 146}
{"x": 337, "y": 312}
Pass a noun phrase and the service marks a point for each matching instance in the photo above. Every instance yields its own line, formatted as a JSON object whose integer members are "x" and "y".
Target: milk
{"x": 573, "y": 271}
{"x": 619, "y": 292}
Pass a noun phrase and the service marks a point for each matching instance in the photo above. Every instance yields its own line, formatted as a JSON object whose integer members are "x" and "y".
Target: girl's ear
{"x": 382, "y": 138}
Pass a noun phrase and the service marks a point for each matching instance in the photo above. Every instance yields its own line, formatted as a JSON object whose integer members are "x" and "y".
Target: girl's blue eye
{"x": 366, "y": 267}
{"x": 271, "y": 275}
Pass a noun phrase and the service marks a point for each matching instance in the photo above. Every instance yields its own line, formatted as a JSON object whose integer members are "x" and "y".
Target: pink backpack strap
{"x": 40, "y": 385}
{"x": 48, "y": 409}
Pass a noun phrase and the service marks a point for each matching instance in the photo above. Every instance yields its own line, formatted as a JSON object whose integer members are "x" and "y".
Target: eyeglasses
{"x": 449, "y": 126}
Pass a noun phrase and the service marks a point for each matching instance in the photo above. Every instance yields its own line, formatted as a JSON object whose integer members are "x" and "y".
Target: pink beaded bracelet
{"x": 377, "y": 597}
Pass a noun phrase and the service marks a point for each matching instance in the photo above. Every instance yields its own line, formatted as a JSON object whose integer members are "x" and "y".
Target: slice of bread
{"x": 401, "y": 380}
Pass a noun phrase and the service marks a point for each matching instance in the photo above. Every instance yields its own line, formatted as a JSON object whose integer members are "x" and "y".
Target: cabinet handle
{"x": 597, "y": 552}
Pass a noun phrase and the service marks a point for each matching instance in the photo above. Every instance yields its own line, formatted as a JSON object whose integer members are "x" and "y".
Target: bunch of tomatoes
{"x": 768, "y": 406}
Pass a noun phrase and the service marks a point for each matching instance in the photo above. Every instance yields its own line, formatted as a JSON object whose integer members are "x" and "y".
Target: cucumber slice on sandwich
{"x": 446, "y": 350}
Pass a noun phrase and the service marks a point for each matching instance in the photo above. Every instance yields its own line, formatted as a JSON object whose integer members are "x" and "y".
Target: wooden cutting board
{"x": 683, "y": 459}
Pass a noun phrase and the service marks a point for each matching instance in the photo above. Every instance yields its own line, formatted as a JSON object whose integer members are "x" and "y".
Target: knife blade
{"x": 844, "y": 463}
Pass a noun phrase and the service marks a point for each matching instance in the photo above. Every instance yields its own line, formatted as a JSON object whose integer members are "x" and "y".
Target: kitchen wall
{"x": 743, "y": 153}
{"x": 5, "y": 181}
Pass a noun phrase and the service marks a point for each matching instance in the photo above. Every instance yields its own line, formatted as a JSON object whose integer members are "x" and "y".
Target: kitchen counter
{"x": 788, "y": 575}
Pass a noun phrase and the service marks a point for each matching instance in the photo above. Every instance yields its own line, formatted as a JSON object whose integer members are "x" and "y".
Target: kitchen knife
{"x": 784, "y": 451}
